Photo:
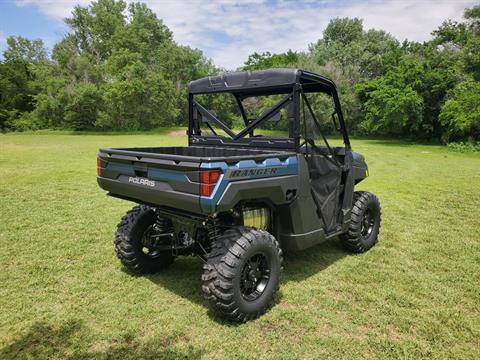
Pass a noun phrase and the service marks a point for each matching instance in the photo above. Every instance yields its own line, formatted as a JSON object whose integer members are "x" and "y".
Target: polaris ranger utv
{"x": 239, "y": 199}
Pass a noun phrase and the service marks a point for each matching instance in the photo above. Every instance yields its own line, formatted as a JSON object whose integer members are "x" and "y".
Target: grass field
{"x": 64, "y": 295}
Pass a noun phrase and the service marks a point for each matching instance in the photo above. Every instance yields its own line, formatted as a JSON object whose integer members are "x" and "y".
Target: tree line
{"x": 118, "y": 68}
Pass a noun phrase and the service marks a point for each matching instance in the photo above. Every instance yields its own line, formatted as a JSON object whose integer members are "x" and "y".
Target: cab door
{"x": 326, "y": 163}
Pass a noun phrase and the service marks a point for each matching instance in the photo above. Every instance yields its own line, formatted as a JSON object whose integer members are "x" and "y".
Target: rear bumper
{"x": 161, "y": 197}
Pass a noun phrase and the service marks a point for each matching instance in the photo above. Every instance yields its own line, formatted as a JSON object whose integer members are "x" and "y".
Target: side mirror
{"x": 276, "y": 118}
{"x": 206, "y": 120}
{"x": 335, "y": 122}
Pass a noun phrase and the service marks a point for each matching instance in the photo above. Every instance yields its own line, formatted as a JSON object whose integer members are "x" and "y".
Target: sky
{"x": 229, "y": 30}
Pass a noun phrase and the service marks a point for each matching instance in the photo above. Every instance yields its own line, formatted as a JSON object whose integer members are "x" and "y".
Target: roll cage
{"x": 294, "y": 84}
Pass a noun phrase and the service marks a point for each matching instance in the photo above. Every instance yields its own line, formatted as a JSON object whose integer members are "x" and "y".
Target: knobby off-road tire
{"x": 129, "y": 242}
{"x": 234, "y": 285}
{"x": 364, "y": 224}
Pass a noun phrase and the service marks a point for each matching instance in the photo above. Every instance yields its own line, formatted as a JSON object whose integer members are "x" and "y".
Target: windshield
{"x": 235, "y": 117}
{"x": 319, "y": 119}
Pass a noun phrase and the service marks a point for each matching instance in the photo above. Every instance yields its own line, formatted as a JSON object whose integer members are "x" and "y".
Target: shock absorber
{"x": 213, "y": 232}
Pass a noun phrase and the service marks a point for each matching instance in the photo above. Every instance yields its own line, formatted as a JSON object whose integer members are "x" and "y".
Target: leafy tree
{"x": 472, "y": 44}
{"x": 138, "y": 99}
{"x": 343, "y": 31}
{"x": 472, "y": 17}
{"x": 16, "y": 76}
{"x": 391, "y": 107}
{"x": 424, "y": 74}
{"x": 51, "y": 100}
{"x": 380, "y": 52}
{"x": 267, "y": 60}
{"x": 180, "y": 65}
{"x": 119, "y": 69}
{"x": 346, "y": 43}
{"x": 29, "y": 51}
{"x": 94, "y": 28}
{"x": 143, "y": 33}
{"x": 461, "y": 113}
{"x": 83, "y": 105}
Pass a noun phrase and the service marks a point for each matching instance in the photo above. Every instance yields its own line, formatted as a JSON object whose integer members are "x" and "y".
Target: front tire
{"x": 130, "y": 243}
{"x": 242, "y": 273}
{"x": 364, "y": 223}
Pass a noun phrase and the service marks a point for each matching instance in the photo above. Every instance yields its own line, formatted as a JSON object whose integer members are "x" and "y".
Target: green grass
{"x": 63, "y": 293}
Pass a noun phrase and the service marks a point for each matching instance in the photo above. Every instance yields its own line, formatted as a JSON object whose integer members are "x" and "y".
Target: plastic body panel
{"x": 138, "y": 176}
{"x": 161, "y": 195}
{"x": 359, "y": 167}
{"x": 298, "y": 224}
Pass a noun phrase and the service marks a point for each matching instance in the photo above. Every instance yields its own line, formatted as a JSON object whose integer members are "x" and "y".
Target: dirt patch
{"x": 177, "y": 133}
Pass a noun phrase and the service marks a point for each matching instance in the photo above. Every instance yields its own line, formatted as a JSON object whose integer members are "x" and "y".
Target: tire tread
{"x": 352, "y": 239}
{"x": 226, "y": 254}
{"x": 125, "y": 249}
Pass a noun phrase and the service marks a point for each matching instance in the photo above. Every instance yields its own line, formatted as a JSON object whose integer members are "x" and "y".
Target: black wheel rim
{"x": 368, "y": 222}
{"x": 255, "y": 276}
{"x": 146, "y": 243}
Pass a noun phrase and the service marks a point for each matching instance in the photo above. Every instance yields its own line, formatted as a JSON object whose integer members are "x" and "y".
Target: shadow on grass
{"x": 300, "y": 265}
{"x": 184, "y": 277}
{"x": 73, "y": 340}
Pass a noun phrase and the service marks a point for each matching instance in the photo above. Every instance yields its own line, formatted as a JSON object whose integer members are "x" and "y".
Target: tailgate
{"x": 143, "y": 178}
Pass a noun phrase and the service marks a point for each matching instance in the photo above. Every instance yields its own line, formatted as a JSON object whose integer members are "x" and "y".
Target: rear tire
{"x": 364, "y": 224}
{"x": 242, "y": 273}
{"x": 130, "y": 245}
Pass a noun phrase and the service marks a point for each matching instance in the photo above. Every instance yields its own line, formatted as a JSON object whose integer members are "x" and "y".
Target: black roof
{"x": 262, "y": 82}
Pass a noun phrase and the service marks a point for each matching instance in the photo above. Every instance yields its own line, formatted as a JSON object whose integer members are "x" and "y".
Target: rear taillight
{"x": 99, "y": 167}
{"x": 208, "y": 180}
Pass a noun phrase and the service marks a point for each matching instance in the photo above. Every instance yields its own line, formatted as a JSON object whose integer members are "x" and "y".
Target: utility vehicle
{"x": 239, "y": 198}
